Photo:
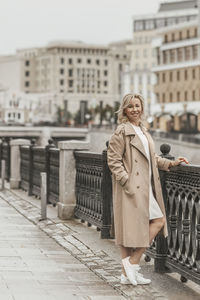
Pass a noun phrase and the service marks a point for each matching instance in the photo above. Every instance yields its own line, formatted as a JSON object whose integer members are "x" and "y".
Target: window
{"x": 178, "y": 96}
{"x": 145, "y": 52}
{"x": 70, "y": 72}
{"x": 70, "y": 83}
{"x": 105, "y": 83}
{"x": 180, "y": 55}
{"x": 105, "y": 73}
{"x": 27, "y": 73}
{"x": 61, "y": 71}
{"x": 27, "y": 63}
{"x": 193, "y": 73}
{"x": 136, "y": 53}
{"x": 187, "y": 53}
{"x": 105, "y": 62}
{"x": 178, "y": 75}
{"x": 188, "y": 34}
{"x": 185, "y": 74}
{"x": 98, "y": 84}
{"x": 185, "y": 96}
{"x": 61, "y": 82}
{"x": 79, "y": 60}
{"x": 97, "y": 61}
{"x": 180, "y": 35}
{"x": 26, "y": 83}
{"x": 19, "y": 116}
{"x": 62, "y": 60}
{"x": 170, "y": 76}
{"x": 173, "y": 37}
{"x": 193, "y": 96}
{"x": 170, "y": 97}
{"x": 70, "y": 61}
{"x": 9, "y": 115}
{"x": 89, "y": 61}
{"x": 163, "y": 77}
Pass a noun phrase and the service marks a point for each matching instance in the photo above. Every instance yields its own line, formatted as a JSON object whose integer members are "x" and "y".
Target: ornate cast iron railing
{"x": 53, "y": 175}
{"x": 5, "y": 155}
{"x": 180, "y": 251}
{"x": 93, "y": 190}
{"x": 38, "y": 166}
{"x": 35, "y": 160}
{"x": 24, "y": 167}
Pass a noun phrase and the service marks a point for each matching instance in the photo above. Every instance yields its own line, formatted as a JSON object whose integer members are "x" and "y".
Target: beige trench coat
{"x": 129, "y": 165}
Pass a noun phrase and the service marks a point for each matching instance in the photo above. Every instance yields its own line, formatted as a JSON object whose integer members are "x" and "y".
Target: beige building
{"x": 140, "y": 77}
{"x": 79, "y": 74}
{"x": 177, "y": 86}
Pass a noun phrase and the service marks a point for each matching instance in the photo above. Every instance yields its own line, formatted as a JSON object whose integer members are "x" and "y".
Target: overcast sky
{"x": 30, "y": 23}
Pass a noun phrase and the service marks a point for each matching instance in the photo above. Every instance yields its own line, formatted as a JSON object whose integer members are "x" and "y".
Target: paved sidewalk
{"x": 85, "y": 266}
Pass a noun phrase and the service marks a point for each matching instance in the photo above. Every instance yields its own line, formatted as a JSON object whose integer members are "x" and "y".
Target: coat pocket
{"x": 129, "y": 187}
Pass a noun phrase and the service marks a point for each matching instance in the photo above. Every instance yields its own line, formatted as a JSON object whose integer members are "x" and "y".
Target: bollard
{"x": 43, "y": 196}
{"x": 3, "y": 169}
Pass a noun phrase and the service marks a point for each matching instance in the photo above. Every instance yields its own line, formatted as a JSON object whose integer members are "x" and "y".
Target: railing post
{"x": 47, "y": 167}
{"x": 161, "y": 241}
{"x": 15, "y": 176}
{"x": 67, "y": 177}
{"x": 107, "y": 198}
{"x": 30, "y": 190}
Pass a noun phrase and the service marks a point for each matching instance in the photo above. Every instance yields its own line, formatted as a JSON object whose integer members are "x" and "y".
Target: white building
{"x": 79, "y": 74}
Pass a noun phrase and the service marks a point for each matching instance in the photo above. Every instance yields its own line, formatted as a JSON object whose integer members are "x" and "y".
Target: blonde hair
{"x": 122, "y": 118}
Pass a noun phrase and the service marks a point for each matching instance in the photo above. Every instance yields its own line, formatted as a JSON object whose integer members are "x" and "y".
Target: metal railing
{"x": 93, "y": 190}
{"x": 180, "y": 251}
{"x": 5, "y": 155}
{"x": 35, "y": 160}
{"x": 53, "y": 175}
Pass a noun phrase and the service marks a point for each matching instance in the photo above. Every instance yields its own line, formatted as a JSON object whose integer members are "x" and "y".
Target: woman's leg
{"x": 125, "y": 251}
{"x": 154, "y": 227}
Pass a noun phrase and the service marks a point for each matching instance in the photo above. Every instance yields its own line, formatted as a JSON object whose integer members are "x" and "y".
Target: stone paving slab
{"x": 67, "y": 234}
{"x": 35, "y": 266}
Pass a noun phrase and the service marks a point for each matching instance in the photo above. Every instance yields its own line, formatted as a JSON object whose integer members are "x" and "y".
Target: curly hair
{"x": 122, "y": 118}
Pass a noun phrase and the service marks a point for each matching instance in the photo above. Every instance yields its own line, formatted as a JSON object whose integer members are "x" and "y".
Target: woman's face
{"x": 134, "y": 110}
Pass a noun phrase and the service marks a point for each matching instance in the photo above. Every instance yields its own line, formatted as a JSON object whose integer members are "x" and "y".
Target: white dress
{"x": 154, "y": 209}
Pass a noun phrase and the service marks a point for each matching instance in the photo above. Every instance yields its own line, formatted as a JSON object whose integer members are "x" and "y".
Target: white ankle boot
{"x": 130, "y": 270}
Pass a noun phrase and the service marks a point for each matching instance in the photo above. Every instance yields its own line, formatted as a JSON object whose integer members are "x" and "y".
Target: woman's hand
{"x": 178, "y": 161}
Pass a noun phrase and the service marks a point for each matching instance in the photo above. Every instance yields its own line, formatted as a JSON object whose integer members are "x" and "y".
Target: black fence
{"x": 93, "y": 190}
{"x": 5, "y": 155}
{"x": 180, "y": 251}
{"x": 35, "y": 160}
{"x": 53, "y": 175}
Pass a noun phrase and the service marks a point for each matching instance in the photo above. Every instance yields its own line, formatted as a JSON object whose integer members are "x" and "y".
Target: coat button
{"x": 136, "y": 160}
{"x": 138, "y": 187}
{"x": 137, "y": 173}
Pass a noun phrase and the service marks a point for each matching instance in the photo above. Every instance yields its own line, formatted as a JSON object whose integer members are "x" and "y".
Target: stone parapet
{"x": 67, "y": 176}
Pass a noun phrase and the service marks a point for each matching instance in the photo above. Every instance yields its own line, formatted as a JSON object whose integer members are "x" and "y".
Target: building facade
{"x": 79, "y": 74}
{"x": 177, "y": 72}
{"x": 143, "y": 55}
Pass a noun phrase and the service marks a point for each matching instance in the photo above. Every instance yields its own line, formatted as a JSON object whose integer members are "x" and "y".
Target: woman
{"x": 139, "y": 212}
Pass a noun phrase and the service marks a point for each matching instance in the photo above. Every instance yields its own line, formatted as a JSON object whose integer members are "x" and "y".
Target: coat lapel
{"x": 135, "y": 140}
